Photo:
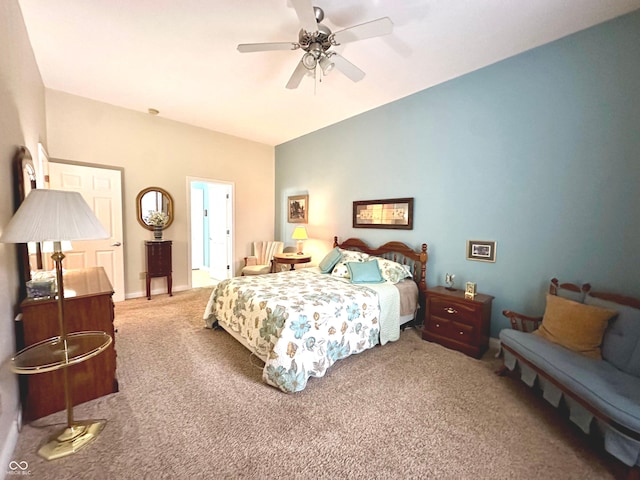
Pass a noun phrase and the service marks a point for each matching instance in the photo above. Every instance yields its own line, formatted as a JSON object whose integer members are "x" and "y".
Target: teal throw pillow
{"x": 365, "y": 272}
{"x": 330, "y": 260}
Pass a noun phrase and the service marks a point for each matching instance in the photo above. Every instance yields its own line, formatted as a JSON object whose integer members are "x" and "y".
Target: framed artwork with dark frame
{"x": 481, "y": 250}
{"x": 396, "y": 213}
{"x": 298, "y": 209}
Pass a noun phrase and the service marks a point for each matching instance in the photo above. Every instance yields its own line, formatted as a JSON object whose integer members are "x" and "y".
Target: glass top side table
{"x": 53, "y": 354}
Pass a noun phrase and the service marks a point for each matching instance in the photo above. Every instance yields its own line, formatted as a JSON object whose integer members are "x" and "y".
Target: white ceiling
{"x": 180, "y": 57}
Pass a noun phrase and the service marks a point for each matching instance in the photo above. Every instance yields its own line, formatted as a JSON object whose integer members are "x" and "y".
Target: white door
{"x": 102, "y": 190}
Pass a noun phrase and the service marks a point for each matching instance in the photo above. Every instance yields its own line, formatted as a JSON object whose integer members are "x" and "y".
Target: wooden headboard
{"x": 398, "y": 252}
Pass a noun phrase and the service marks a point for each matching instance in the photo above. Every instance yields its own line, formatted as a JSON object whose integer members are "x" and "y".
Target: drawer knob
{"x": 450, "y": 310}
{"x": 461, "y": 333}
{"x": 437, "y": 325}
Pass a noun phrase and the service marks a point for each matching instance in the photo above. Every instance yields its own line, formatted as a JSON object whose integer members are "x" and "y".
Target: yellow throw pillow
{"x": 574, "y": 325}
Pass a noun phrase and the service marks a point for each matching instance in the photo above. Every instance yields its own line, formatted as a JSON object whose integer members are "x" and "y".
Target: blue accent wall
{"x": 539, "y": 152}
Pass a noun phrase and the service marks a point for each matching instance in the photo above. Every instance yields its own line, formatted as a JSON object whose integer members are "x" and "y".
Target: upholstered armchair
{"x": 261, "y": 260}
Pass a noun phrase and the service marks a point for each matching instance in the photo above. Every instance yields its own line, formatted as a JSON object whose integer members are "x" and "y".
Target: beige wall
{"x": 154, "y": 151}
{"x": 22, "y": 122}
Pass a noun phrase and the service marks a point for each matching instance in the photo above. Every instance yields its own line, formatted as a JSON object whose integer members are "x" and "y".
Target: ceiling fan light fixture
{"x": 326, "y": 64}
{"x": 309, "y": 61}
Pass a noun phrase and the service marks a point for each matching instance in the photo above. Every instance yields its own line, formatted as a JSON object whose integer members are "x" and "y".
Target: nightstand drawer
{"x": 447, "y": 308}
{"x": 462, "y": 332}
{"x": 439, "y": 326}
{"x": 449, "y": 327}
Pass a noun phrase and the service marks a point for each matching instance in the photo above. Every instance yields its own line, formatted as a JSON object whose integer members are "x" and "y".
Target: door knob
{"x": 117, "y": 244}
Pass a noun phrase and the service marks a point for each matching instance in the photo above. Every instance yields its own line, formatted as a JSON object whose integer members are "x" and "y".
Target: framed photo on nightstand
{"x": 470, "y": 290}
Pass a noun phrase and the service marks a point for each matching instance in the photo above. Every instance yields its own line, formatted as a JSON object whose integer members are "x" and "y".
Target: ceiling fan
{"x": 316, "y": 40}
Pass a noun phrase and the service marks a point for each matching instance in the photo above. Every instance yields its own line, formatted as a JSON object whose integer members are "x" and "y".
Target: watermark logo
{"x": 18, "y": 468}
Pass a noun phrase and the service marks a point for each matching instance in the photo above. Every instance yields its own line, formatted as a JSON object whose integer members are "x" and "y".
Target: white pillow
{"x": 341, "y": 270}
{"x": 393, "y": 271}
{"x": 353, "y": 256}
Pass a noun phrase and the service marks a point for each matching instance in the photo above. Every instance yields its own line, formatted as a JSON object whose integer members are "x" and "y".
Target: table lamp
{"x": 299, "y": 234}
{"x": 57, "y": 216}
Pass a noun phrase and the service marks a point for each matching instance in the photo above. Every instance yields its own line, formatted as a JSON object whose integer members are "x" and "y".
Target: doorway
{"x": 211, "y": 227}
{"x": 101, "y": 187}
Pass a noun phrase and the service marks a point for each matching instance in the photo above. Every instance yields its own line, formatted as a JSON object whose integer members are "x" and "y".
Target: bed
{"x": 300, "y": 322}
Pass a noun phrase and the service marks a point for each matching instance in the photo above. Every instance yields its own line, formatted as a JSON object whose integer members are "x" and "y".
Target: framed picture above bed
{"x": 394, "y": 213}
{"x": 298, "y": 209}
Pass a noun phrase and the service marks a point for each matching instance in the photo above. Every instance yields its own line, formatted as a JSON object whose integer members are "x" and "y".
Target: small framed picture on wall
{"x": 298, "y": 209}
{"x": 481, "y": 250}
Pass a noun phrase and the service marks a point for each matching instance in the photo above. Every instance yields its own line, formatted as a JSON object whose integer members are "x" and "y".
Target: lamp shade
{"x": 326, "y": 64}
{"x": 53, "y": 215}
{"x": 299, "y": 233}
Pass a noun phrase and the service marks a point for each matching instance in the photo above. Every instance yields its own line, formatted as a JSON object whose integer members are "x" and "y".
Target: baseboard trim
{"x": 158, "y": 291}
{"x": 8, "y": 448}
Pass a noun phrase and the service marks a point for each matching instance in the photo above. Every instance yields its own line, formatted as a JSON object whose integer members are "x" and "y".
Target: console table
{"x": 88, "y": 307}
{"x": 158, "y": 263}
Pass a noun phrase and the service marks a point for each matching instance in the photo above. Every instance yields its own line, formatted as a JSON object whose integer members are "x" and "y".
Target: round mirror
{"x": 150, "y": 200}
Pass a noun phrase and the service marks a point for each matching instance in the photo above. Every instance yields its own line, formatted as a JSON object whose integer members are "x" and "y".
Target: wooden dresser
{"x": 158, "y": 263}
{"x": 457, "y": 322}
{"x": 88, "y": 306}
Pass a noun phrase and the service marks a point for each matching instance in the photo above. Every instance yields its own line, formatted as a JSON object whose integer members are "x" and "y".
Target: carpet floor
{"x": 192, "y": 405}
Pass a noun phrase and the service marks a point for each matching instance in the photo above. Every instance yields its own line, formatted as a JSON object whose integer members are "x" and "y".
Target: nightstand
{"x": 158, "y": 263}
{"x": 457, "y": 322}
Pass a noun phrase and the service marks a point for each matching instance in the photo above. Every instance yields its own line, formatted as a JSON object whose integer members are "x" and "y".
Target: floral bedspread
{"x": 302, "y": 322}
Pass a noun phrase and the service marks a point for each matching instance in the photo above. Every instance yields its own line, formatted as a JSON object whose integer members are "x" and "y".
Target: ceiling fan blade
{"x": 374, "y": 28}
{"x": 297, "y": 76}
{"x": 306, "y": 14}
{"x": 266, "y": 47}
{"x": 347, "y": 68}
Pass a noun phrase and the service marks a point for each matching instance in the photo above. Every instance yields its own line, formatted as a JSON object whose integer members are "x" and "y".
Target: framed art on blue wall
{"x": 391, "y": 213}
{"x": 298, "y": 209}
{"x": 482, "y": 251}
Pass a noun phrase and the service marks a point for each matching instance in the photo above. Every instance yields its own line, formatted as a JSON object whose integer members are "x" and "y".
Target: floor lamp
{"x": 57, "y": 216}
